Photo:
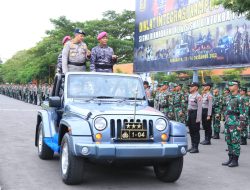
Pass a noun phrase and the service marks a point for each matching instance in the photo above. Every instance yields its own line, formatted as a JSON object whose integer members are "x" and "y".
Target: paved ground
{"x": 21, "y": 169}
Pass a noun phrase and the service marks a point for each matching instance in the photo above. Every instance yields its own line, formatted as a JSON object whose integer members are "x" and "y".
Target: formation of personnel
{"x": 208, "y": 109}
{"x": 30, "y": 93}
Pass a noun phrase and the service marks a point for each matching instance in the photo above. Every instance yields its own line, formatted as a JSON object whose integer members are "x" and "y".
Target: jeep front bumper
{"x": 130, "y": 150}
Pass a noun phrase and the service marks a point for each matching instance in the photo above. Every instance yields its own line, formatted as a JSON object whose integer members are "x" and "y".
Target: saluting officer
{"x": 75, "y": 53}
{"x": 207, "y": 105}
{"x": 235, "y": 119}
{"x": 194, "y": 116}
{"x": 102, "y": 56}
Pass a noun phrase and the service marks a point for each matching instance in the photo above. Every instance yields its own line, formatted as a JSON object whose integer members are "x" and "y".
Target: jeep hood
{"x": 101, "y": 108}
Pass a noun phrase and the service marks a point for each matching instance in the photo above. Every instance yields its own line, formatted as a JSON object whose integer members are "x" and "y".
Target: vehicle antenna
{"x": 136, "y": 92}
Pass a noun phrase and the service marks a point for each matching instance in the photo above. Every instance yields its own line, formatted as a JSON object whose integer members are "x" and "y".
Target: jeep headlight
{"x": 160, "y": 124}
{"x": 100, "y": 123}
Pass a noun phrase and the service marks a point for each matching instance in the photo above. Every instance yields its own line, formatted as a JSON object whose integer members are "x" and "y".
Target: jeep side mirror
{"x": 151, "y": 102}
{"x": 55, "y": 101}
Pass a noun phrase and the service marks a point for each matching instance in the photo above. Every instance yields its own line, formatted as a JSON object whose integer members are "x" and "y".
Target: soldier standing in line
{"x": 178, "y": 102}
{"x": 75, "y": 53}
{"x": 157, "y": 94}
{"x": 207, "y": 103}
{"x": 248, "y": 121}
{"x": 235, "y": 119}
{"x": 163, "y": 98}
{"x": 102, "y": 56}
{"x": 170, "y": 102}
{"x": 194, "y": 116}
{"x": 245, "y": 99}
{"x": 39, "y": 95}
{"x": 217, "y": 107}
{"x": 225, "y": 99}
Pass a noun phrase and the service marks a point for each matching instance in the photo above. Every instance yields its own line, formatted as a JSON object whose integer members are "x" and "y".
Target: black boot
{"x": 230, "y": 157}
{"x": 195, "y": 149}
{"x": 216, "y": 136}
{"x": 243, "y": 141}
{"x": 234, "y": 162}
{"x": 206, "y": 141}
{"x": 191, "y": 148}
{"x": 203, "y": 142}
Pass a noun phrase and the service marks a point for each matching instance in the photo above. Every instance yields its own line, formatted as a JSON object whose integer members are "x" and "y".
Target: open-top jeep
{"x": 103, "y": 117}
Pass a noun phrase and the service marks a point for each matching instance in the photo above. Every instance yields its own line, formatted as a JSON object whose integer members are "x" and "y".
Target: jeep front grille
{"x": 117, "y": 125}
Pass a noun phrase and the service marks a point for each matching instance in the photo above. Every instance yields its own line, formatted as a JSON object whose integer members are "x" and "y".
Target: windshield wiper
{"x": 104, "y": 97}
{"x": 133, "y": 98}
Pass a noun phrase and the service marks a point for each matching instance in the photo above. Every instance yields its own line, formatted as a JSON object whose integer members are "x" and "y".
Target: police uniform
{"x": 74, "y": 55}
{"x": 207, "y": 103}
{"x": 194, "y": 118}
{"x": 235, "y": 119}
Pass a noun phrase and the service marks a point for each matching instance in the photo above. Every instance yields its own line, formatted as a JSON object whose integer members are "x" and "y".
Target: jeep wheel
{"x": 44, "y": 152}
{"x": 72, "y": 167}
{"x": 169, "y": 170}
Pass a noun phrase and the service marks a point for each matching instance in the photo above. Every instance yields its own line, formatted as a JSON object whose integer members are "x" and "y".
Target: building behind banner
{"x": 174, "y": 35}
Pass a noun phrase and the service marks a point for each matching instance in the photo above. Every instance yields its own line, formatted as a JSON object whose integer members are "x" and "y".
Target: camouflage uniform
{"x": 101, "y": 59}
{"x": 217, "y": 108}
{"x": 156, "y": 100}
{"x": 244, "y": 128}
{"x": 235, "y": 118}
{"x": 178, "y": 102}
{"x": 169, "y": 109}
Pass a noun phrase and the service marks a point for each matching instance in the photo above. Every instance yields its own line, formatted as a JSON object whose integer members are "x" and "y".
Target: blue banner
{"x": 174, "y": 35}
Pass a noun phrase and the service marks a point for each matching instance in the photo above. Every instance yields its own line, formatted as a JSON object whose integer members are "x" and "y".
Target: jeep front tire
{"x": 72, "y": 167}
{"x": 44, "y": 152}
{"x": 169, "y": 170}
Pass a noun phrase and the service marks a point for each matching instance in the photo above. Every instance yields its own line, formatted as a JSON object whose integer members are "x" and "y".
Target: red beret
{"x": 101, "y": 35}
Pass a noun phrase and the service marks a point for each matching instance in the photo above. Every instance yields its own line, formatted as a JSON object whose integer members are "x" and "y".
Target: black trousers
{"x": 207, "y": 124}
{"x": 194, "y": 128}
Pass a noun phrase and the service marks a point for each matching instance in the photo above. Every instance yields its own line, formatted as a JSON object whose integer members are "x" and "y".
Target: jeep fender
{"x": 177, "y": 129}
{"x": 48, "y": 117}
{"x": 75, "y": 126}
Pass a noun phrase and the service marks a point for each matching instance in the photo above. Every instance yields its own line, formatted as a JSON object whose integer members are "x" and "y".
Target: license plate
{"x": 133, "y": 131}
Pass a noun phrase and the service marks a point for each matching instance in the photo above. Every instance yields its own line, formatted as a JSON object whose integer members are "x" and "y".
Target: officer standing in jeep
{"x": 102, "y": 56}
{"x": 194, "y": 116}
{"x": 75, "y": 53}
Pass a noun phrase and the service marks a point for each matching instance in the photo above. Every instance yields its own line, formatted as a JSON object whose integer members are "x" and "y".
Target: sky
{"x": 24, "y": 22}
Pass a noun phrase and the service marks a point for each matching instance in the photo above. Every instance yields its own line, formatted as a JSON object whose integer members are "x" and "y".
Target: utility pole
{"x": 195, "y": 76}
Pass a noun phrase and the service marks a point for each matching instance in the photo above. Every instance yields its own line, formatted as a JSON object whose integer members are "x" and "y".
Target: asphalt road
{"x": 21, "y": 169}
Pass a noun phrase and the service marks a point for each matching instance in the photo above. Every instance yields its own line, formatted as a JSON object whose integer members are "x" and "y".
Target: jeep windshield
{"x": 80, "y": 86}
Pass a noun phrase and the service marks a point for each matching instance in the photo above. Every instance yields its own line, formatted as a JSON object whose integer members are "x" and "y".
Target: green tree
{"x": 232, "y": 74}
{"x": 39, "y": 62}
{"x": 216, "y": 79}
{"x": 237, "y": 6}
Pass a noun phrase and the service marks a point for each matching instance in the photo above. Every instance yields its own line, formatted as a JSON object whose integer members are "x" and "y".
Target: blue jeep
{"x": 105, "y": 117}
